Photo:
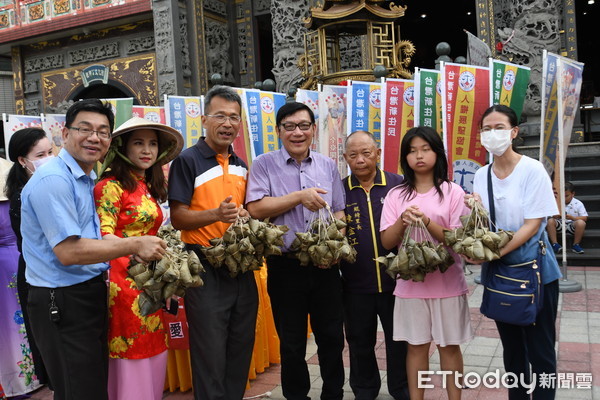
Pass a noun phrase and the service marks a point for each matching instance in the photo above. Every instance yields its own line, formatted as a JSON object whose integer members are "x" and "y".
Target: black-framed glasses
{"x": 290, "y": 126}
{"x": 220, "y": 118}
{"x": 87, "y": 132}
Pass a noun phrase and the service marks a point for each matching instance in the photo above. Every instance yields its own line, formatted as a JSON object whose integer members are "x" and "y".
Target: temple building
{"x": 53, "y": 52}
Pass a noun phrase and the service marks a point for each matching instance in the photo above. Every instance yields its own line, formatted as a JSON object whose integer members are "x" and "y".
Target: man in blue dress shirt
{"x": 66, "y": 257}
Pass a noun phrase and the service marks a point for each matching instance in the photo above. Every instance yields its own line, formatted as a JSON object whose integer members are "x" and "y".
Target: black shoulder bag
{"x": 512, "y": 293}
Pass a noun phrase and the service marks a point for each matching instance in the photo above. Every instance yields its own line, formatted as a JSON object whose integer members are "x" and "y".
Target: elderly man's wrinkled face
{"x": 362, "y": 155}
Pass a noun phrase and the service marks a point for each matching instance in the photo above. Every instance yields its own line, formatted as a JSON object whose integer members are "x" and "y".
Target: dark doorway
{"x": 264, "y": 47}
{"x": 588, "y": 14}
{"x": 427, "y": 23}
{"x": 112, "y": 90}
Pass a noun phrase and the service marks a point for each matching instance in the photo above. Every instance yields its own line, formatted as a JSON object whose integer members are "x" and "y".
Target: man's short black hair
{"x": 90, "y": 105}
{"x": 292, "y": 108}
{"x": 224, "y": 92}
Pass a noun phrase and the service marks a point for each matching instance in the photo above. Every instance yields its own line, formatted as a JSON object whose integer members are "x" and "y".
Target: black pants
{"x": 296, "y": 292}
{"x": 222, "y": 321}
{"x": 360, "y": 317}
{"x": 532, "y": 345}
{"x": 74, "y": 349}
{"x": 23, "y": 290}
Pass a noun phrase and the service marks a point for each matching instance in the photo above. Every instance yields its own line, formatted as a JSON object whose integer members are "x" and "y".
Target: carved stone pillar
{"x": 526, "y": 28}
{"x": 168, "y": 41}
{"x": 287, "y": 18}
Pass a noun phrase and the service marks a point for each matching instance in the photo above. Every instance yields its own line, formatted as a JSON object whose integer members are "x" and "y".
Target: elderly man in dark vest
{"x": 368, "y": 290}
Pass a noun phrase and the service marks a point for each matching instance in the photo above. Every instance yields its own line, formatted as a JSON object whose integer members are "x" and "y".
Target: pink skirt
{"x": 137, "y": 379}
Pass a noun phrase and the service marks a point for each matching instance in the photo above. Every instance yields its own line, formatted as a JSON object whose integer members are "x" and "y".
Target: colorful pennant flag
{"x": 428, "y": 95}
{"x": 261, "y": 108}
{"x": 509, "y": 84}
{"x": 561, "y": 87}
{"x": 185, "y": 115}
{"x": 398, "y": 117}
{"x": 122, "y": 109}
{"x": 466, "y": 97}
{"x": 332, "y": 124}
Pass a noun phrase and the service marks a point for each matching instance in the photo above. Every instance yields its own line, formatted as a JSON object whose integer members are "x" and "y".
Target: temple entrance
{"x": 111, "y": 90}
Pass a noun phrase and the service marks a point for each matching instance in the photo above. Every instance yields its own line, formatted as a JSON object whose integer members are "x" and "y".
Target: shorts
{"x": 570, "y": 225}
{"x": 445, "y": 321}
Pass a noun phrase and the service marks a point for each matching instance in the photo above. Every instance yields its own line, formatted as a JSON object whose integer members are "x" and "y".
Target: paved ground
{"x": 578, "y": 328}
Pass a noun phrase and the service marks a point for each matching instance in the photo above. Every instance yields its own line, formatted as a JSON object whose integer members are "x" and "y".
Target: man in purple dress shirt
{"x": 289, "y": 185}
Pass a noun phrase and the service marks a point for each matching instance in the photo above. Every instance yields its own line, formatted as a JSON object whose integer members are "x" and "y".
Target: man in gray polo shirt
{"x": 289, "y": 185}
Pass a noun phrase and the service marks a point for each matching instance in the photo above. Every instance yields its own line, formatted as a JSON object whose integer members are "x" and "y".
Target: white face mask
{"x": 496, "y": 141}
{"x": 37, "y": 163}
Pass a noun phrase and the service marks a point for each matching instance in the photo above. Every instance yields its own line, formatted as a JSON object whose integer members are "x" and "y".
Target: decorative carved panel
{"x": 31, "y": 85}
{"x": 139, "y": 45}
{"x": 288, "y": 41}
{"x": 32, "y": 107}
{"x": 217, "y": 49}
{"x": 44, "y": 63}
{"x": 216, "y": 7}
{"x": 94, "y": 53}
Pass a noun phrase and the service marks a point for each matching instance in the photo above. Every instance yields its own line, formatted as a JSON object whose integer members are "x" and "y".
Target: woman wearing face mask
{"x": 28, "y": 148}
{"x": 523, "y": 198}
{"x": 127, "y": 201}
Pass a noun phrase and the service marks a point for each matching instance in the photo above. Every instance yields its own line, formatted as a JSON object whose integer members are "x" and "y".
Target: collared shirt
{"x": 58, "y": 203}
{"x": 276, "y": 174}
{"x": 363, "y": 215}
{"x": 201, "y": 179}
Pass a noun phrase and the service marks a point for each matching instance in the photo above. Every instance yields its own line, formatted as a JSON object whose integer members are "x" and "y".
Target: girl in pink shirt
{"x": 435, "y": 310}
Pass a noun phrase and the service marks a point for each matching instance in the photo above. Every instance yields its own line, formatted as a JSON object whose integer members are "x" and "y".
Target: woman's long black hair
{"x": 21, "y": 143}
{"x": 440, "y": 169}
{"x": 121, "y": 170}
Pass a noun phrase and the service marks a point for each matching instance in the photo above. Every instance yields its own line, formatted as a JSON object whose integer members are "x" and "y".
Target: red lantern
{"x": 343, "y": 83}
{"x": 499, "y": 46}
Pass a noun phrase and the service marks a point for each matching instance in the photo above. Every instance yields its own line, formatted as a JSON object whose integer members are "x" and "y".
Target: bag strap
{"x": 542, "y": 249}
{"x": 491, "y": 199}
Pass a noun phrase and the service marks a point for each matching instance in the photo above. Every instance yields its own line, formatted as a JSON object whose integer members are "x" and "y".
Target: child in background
{"x": 436, "y": 309}
{"x": 576, "y": 217}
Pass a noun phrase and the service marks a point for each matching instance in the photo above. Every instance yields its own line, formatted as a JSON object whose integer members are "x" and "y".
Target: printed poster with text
{"x": 332, "y": 124}
{"x": 13, "y": 123}
{"x": 241, "y": 143}
{"x": 185, "y": 114}
{"x": 53, "y": 124}
{"x": 154, "y": 114}
{"x": 398, "y": 117}
{"x": 364, "y": 108}
{"x": 261, "y": 108}
{"x": 311, "y": 99}
{"x": 466, "y": 91}
{"x": 428, "y": 96}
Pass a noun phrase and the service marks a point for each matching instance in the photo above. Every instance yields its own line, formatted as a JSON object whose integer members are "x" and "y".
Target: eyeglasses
{"x": 87, "y": 132}
{"x": 220, "y": 118}
{"x": 291, "y": 126}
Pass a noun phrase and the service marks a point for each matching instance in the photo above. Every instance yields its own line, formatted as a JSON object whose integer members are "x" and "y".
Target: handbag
{"x": 512, "y": 293}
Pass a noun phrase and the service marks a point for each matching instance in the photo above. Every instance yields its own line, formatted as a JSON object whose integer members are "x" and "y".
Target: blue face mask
{"x": 37, "y": 163}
